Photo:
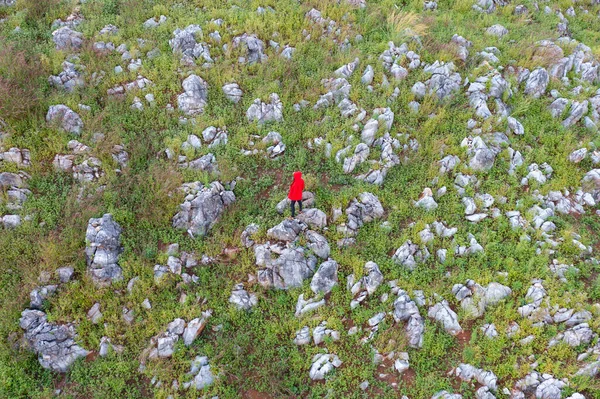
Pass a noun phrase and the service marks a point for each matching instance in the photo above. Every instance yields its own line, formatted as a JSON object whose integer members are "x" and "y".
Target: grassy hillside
{"x": 252, "y": 353}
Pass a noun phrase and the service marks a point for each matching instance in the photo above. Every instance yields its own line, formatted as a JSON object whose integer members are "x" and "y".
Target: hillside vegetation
{"x": 447, "y": 247}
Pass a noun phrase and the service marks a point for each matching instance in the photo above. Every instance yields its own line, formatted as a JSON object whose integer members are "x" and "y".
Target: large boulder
{"x": 266, "y": 112}
{"x": 53, "y": 343}
{"x": 202, "y": 207}
{"x": 65, "y": 118}
{"x": 288, "y": 230}
{"x": 67, "y": 39}
{"x": 318, "y": 244}
{"x": 442, "y": 313}
{"x": 253, "y": 45}
{"x": 325, "y": 278}
{"x": 193, "y": 100}
{"x": 103, "y": 246}
{"x": 537, "y": 81}
{"x": 292, "y": 268}
{"x": 313, "y": 217}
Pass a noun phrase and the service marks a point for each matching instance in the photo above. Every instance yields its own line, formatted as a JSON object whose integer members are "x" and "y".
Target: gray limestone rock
{"x": 287, "y": 230}
{"x": 325, "y": 278}
{"x": 241, "y": 299}
{"x": 65, "y": 118}
{"x": 323, "y": 364}
{"x": 266, "y": 112}
{"x": 193, "y": 100}
{"x": 253, "y": 45}
{"x": 233, "y": 92}
{"x": 103, "y": 246}
{"x": 313, "y": 217}
{"x": 292, "y": 268}
{"x": 67, "y": 39}
{"x": 202, "y": 208}
{"x": 318, "y": 244}
{"x": 54, "y": 344}
{"x": 537, "y": 82}
{"x": 442, "y": 313}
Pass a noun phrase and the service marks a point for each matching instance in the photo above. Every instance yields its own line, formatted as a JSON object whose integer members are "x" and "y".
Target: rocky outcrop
{"x": 442, "y": 313}
{"x": 194, "y": 97}
{"x": 325, "y": 278}
{"x": 184, "y": 42}
{"x": 323, "y": 364}
{"x": 266, "y": 112}
{"x": 163, "y": 344}
{"x": 254, "y": 48}
{"x": 67, "y": 39}
{"x": 405, "y": 309}
{"x": 241, "y": 299}
{"x": 202, "y": 208}
{"x": 103, "y": 246}
{"x": 65, "y": 118}
{"x": 361, "y": 210}
{"x": 233, "y": 92}
{"x": 55, "y": 344}
{"x": 69, "y": 78}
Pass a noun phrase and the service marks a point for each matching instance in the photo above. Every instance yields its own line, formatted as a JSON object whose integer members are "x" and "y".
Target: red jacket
{"x": 297, "y": 187}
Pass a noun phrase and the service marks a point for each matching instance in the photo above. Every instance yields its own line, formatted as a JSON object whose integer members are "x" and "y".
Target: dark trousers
{"x": 293, "y": 208}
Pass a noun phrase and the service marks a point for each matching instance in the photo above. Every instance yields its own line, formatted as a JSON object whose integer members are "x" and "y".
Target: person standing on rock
{"x": 295, "y": 194}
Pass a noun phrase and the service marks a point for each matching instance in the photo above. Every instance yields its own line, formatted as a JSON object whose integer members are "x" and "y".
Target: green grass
{"x": 255, "y": 350}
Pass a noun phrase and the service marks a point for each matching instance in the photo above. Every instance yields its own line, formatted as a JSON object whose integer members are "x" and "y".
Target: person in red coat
{"x": 295, "y": 194}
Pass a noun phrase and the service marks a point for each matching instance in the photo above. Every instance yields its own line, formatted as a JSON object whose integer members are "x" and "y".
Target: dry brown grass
{"x": 37, "y": 9}
{"x": 20, "y": 75}
{"x": 406, "y": 24}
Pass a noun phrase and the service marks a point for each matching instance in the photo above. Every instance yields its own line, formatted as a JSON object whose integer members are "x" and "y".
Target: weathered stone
{"x": 254, "y": 46}
{"x": 54, "y": 344}
{"x": 194, "y": 328}
{"x": 202, "y": 208}
{"x": 233, "y": 92}
{"x": 64, "y": 274}
{"x": 67, "y": 39}
{"x": 287, "y": 230}
{"x": 266, "y": 112}
{"x": 323, "y": 364}
{"x": 193, "y": 100}
{"x": 292, "y": 268}
{"x": 318, "y": 244}
{"x": 103, "y": 249}
{"x": 537, "y": 82}
{"x": 497, "y": 30}
{"x": 325, "y": 278}
{"x": 65, "y": 118}
{"x": 443, "y": 314}
{"x": 241, "y": 299}
{"x": 313, "y": 217}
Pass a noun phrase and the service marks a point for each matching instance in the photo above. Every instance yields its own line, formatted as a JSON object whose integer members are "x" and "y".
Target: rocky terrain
{"x": 449, "y": 239}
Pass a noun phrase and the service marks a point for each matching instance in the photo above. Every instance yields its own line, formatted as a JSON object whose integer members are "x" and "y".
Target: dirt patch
{"x": 254, "y": 394}
{"x": 386, "y": 373}
{"x": 231, "y": 252}
{"x": 463, "y": 338}
{"x": 408, "y": 377}
{"x": 91, "y": 356}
